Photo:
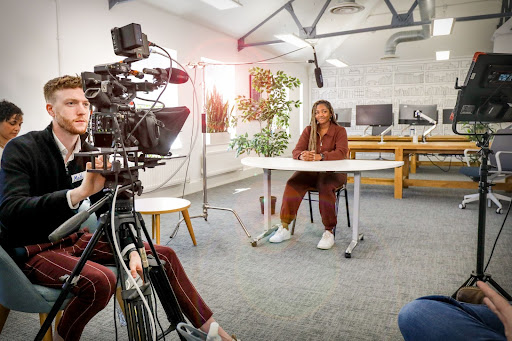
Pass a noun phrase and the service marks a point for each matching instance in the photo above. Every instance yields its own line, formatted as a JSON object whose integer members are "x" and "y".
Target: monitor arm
{"x": 402, "y": 131}
{"x": 365, "y": 129}
{"x": 384, "y": 133}
{"x": 419, "y": 114}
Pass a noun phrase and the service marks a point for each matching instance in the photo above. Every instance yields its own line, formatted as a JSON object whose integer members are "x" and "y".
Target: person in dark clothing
{"x": 41, "y": 186}
{"x": 322, "y": 140}
{"x": 11, "y": 119}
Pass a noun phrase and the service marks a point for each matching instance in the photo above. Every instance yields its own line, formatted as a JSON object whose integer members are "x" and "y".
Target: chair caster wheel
{"x": 254, "y": 244}
{"x": 348, "y": 255}
{"x": 462, "y": 206}
{"x": 499, "y": 211}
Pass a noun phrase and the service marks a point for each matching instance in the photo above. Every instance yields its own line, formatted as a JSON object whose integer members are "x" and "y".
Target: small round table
{"x": 157, "y": 206}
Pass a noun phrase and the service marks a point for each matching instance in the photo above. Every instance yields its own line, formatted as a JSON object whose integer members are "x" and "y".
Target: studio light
{"x": 442, "y": 27}
{"x": 442, "y": 55}
{"x": 336, "y": 62}
{"x": 293, "y": 39}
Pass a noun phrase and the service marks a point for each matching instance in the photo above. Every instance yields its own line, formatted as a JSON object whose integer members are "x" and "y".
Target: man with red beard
{"x": 42, "y": 185}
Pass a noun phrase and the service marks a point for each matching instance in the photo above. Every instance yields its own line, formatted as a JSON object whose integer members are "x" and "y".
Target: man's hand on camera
{"x": 91, "y": 184}
{"x": 135, "y": 264}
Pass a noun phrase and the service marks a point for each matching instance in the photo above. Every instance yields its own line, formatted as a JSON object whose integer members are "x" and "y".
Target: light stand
{"x": 483, "y": 186}
{"x": 206, "y": 205}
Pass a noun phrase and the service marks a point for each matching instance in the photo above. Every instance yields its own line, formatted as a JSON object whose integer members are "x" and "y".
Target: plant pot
{"x": 219, "y": 138}
{"x": 273, "y": 201}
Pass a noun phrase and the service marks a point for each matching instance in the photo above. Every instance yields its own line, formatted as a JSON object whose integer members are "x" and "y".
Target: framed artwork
{"x": 255, "y": 95}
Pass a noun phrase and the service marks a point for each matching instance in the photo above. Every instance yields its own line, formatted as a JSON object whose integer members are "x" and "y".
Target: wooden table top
{"x": 410, "y": 146}
{"x": 160, "y": 205}
{"x": 435, "y": 138}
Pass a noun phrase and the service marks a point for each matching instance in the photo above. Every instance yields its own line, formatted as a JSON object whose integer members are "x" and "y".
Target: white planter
{"x": 218, "y": 138}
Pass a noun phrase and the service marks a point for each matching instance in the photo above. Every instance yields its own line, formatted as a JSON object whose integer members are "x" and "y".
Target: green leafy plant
{"x": 217, "y": 113}
{"x": 271, "y": 110}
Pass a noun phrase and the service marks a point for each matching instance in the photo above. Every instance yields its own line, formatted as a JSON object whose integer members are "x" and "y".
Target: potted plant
{"x": 217, "y": 117}
{"x": 271, "y": 109}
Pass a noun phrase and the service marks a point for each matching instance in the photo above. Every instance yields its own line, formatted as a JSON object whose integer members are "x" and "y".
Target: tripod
{"x": 483, "y": 188}
{"x": 127, "y": 223}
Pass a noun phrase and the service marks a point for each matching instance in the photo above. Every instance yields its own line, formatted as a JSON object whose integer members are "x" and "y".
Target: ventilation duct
{"x": 427, "y": 12}
{"x": 346, "y": 7}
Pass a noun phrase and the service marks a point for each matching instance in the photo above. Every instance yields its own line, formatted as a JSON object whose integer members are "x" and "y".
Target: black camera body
{"x": 109, "y": 89}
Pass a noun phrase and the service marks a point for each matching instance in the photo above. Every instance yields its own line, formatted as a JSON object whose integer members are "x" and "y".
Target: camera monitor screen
{"x": 374, "y": 115}
{"x": 406, "y": 114}
{"x": 343, "y": 116}
{"x": 486, "y": 95}
{"x": 173, "y": 120}
{"x": 447, "y": 116}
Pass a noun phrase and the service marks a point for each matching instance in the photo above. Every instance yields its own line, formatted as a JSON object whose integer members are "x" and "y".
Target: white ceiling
{"x": 362, "y": 48}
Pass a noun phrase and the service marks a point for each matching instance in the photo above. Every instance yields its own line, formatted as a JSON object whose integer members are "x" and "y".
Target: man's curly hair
{"x": 8, "y": 110}
{"x": 59, "y": 83}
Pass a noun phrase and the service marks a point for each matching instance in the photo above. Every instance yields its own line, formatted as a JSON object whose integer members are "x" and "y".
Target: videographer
{"x": 41, "y": 186}
{"x": 444, "y": 318}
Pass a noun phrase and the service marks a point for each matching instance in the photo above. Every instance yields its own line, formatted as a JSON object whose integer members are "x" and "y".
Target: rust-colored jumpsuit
{"x": 334, "y": 146}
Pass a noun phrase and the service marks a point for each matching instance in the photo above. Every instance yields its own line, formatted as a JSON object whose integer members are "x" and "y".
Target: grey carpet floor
{"x": 420, "y": 245}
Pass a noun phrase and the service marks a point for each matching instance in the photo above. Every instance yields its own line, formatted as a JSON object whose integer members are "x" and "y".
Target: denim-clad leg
{"x": 443, "y": 318}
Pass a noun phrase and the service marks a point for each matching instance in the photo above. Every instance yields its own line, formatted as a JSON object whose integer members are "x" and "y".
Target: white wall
{"x": 46, "y": 38}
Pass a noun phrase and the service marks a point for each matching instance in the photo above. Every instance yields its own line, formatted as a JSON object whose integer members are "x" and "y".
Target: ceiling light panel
{"x": 442, "y": 55}
{"x": 442, "y": 27}
{"x": 293, "y": 39}
{"x": 336, "y": 62}
{"x": 223, "y": 4}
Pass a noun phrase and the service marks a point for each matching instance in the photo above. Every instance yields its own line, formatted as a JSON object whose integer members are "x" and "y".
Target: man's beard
{"x": 67, "y": 125}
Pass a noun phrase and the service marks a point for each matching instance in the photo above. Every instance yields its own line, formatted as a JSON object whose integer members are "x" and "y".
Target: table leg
{"x": 153, "y": 225}
{"x": 414, "y": 163}
{"x": 157, "y": 224}
{"x": 399, "y": 179}
{"x": 356, "y": 237}
{"x": 267, "y": 176}
{"x": 406, "y": 166}
{"x": 186, "y": 216}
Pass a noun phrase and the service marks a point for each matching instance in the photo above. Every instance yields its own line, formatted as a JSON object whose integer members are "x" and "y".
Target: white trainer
{"x": 327, "y": 241}
{"x": 281, "y": 235}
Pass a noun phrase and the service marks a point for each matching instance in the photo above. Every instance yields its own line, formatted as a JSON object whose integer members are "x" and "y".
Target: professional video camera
{"x": 110, "y": 90}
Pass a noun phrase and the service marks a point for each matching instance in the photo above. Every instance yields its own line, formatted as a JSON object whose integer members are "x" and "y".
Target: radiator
{"x": 220, "y": 162}
{"x": 152, "y": 177}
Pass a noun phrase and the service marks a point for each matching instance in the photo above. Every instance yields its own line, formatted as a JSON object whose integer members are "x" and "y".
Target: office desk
{"x": 343, "y": 166}
{"x": 402, "y": 150}
{"x": 414, "y": 162}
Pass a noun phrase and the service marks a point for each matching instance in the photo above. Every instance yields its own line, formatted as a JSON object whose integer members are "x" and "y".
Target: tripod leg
{"x": 499, "y": 289}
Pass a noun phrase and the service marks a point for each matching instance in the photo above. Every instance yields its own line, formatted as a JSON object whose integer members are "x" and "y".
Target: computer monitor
{"x": 343, "y": 116}
{"x": 374, "y": 115}
{"x": 406, "y": 114}
{"x": 446, "y": 116}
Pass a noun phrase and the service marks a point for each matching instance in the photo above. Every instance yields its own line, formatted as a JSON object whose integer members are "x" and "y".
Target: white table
{"x": 342, "y": 166}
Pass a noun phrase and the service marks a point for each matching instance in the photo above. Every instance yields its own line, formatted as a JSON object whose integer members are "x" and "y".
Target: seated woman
{"x": 11, "y": 119}
{"x": 322, "y": 140}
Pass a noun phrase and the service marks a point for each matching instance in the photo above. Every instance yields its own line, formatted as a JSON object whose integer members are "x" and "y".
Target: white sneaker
{"x": 280, "y": 235}
{"x": 327, "y": 241}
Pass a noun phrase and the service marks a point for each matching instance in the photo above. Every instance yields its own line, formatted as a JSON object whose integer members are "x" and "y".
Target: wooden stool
{"x": 157, "y": 206}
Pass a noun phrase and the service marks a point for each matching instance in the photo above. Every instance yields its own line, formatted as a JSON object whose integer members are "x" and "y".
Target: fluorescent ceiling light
{"x": 223, "y": 4}
{"x": 442, "y": 55}
{"x": 293, "y": 39}
{"x": 442, "y": 27}
{"x": 336, "y": 62}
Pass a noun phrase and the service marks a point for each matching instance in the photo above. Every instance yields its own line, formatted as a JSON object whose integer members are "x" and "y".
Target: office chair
{"x": 18, "y": 293}
{"x": 500, "y": 160}
{"x": 338, "y": 192}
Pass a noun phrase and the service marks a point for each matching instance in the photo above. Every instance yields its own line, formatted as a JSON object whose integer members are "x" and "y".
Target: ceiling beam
{"x": 508, "y": 14}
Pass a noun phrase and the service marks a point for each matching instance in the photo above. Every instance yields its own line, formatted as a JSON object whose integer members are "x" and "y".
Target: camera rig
{"x": 119, "y": 129}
